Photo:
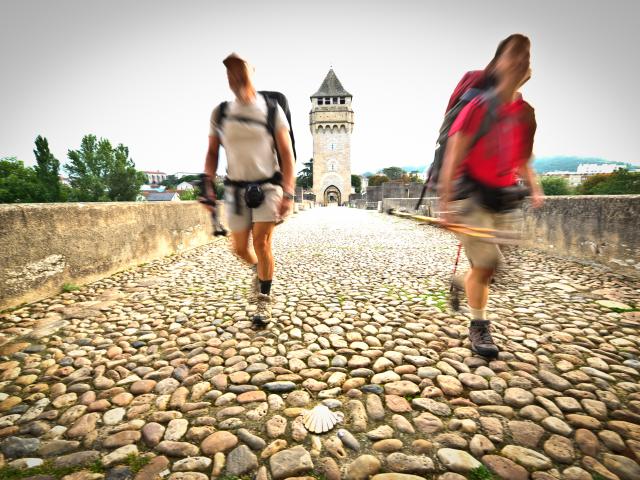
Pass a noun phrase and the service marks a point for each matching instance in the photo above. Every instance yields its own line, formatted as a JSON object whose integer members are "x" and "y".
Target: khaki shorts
{"x": 268, "y": 211}
{"x": 484, "y": 253}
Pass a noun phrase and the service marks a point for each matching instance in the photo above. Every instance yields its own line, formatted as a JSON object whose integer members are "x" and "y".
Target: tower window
{"x": 335, "y": 100}
{"x": 342, "y": 100}
{"x": 320, "y": 101}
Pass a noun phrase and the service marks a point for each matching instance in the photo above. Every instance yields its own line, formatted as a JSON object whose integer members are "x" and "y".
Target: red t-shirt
{"x": 496, "y": 157}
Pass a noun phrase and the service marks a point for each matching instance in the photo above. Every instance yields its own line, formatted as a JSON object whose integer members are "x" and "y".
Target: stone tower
{"x": 331, "y": 122}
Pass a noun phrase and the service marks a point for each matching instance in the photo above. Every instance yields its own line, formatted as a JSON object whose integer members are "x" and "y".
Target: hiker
{"x": 489, "y": 149}
{"x": 255, "y": 133}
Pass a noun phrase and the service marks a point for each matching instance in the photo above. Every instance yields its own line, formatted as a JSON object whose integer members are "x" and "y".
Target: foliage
{"x": 377, "y": 180}
{"x": 620, "y": 182}
{"x": 305, "y": 176}
{"x": 137, "y": 462}
{"x": 171, "y": 182}
{"x": 188, "y": 195}
{"x": 555, "y": 186}
{"x": 356, "y": 183}
{"x": 393, "y": 173}
{"x": 98, "y": 172}
{"x": 48, "y": 469}
{"x": 47, "y": 171}
{"x": 481, "y": 473}
{"x": 410, "y": 178}
{"x": 18, "y": 184}
{"x": 69, "y": 287}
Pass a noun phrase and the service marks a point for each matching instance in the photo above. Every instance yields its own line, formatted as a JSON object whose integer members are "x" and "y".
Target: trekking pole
{"x": 207, "y": 198}
{"x": 454, "y": 294}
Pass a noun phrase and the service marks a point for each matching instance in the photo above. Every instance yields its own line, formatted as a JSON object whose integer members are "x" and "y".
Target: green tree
{"x": 356, "y": 183}
{"x": 393, "y": 173}
{"x": 555, "y": 185}
{"x": 47, "y": 170}
{"x": 620, "y": 182}
{"x": 305, "y": 176}
{"x": 18, "y": 184}
{"x": 123, "y": 181}
{"x": 378, "y": 180}
{"x": 170, "y": 182}
{"x": 188, "y": 195}
{"x": 98, "y": 172}
{"x": 87, "y": 170}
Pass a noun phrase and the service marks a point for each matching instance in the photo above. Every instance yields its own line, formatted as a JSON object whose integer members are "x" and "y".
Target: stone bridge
{"x": 160, "y": 363}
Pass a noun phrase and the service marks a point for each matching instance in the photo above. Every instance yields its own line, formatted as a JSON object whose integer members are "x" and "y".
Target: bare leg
{"x": 477, "y": 286}
{"x": 262, "y": 235}
{"x": 242, "y": 248}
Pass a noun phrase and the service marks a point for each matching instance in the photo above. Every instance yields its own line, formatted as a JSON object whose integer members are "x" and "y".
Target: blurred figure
{"x": 489, "y": 149}
{"x": 259, "y": 185}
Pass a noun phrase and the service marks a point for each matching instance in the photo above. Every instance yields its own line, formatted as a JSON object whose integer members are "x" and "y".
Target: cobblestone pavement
{"x": 161, "y": 361}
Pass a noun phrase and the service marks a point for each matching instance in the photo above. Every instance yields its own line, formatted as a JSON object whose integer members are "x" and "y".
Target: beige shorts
{"x": 481, "y": 252}
{"x": 268, "y": 211}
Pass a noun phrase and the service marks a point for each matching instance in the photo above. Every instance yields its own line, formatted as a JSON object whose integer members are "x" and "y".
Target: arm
{"x": 283, "y": 144}
{"x": 210, "y": 168}
{"x": 529, "y": 177}
{"x": 211, "y": 160}
{"x": 456, "y": 151}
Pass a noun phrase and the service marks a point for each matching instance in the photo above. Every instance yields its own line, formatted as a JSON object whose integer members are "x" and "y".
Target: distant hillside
{"x": 542, "y": 165}
{"x": 569, "y": 164}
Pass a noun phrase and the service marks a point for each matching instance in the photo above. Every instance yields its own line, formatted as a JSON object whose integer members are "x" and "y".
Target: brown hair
{"x": 520, "y": 41}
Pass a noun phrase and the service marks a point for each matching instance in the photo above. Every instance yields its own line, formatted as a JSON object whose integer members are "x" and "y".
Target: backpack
{"x": 433, "y": 175}
{"x": 273, "y": 99}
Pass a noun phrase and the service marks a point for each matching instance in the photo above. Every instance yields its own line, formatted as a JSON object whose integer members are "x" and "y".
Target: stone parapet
{"x": 599, "y": 228}
{"x": 47, "y": 245}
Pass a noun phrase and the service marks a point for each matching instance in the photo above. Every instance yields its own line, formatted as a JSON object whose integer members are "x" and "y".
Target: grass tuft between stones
{"x": 69, "y": 287}
{"x": 137, "y": 462}
{"x": 48, "y": 468}
{"x": 481, "y": 473}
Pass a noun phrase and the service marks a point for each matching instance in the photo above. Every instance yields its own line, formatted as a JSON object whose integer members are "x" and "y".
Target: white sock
{"x": 478, "y": 313}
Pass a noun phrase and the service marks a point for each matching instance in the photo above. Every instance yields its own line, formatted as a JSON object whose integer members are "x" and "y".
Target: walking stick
{"x": 207, "y": 198}
{"x": 454, "y": 290}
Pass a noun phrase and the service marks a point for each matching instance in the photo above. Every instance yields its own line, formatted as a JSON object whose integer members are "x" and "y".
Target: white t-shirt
{"x": 249, "y": 146}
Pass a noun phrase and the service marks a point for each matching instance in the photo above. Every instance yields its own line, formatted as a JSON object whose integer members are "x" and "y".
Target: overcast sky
{"x": 147, "y": 73}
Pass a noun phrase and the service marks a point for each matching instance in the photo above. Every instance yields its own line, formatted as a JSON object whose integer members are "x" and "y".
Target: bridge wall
{"x": 600, "y": 228}
{"x": 47, "y": 245}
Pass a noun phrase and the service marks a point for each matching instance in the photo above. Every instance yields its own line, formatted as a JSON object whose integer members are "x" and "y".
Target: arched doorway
{"x": 332, "y": 195}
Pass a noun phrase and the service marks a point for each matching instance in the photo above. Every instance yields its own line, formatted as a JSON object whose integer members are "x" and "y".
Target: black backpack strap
{"x": 489, "y": 119}
{"x": 222, "y": 113}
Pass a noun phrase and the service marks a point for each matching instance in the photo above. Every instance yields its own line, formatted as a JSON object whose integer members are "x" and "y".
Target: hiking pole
{"x": 454, "y": 290}
{"x": 422, "y": 194}
{"x": 207, "y": 198}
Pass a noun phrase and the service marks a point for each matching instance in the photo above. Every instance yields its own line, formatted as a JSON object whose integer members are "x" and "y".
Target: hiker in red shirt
{"x": 488, "y": 151}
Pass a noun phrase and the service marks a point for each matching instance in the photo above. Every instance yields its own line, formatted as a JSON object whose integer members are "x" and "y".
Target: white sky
{"x": 147, "y": 73}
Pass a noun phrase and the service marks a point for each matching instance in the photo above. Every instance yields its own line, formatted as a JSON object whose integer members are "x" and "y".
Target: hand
{"x": 445, "y": 213}
{"x": 285, "y": 207}
{"x": 537, "y": 199}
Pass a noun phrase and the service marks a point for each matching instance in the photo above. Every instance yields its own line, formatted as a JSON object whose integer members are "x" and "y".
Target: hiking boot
{"x": 481, "y": 340}
{"x": 262, "y": 315}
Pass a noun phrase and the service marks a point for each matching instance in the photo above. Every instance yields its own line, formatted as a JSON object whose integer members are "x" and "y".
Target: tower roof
{"x": 331, "y": 87}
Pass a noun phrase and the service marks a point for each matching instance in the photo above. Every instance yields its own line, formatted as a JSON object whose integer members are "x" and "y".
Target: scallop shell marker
{"x": 320, "y": 419}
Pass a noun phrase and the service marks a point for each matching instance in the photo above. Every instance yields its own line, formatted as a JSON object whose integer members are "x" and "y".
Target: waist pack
{"x": 496, "y": 199}
{"x": 253, "y": 192}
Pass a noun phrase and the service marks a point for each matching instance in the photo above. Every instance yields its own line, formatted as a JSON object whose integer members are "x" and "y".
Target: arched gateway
{"x": 332, "y": 195}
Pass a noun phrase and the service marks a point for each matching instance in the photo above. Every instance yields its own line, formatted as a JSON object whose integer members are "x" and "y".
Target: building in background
{"x": 331, "y": 123}
{"x": 181, "y": 187}
{"x": 155, "y": 177}
{"x": 171, "y": 196}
